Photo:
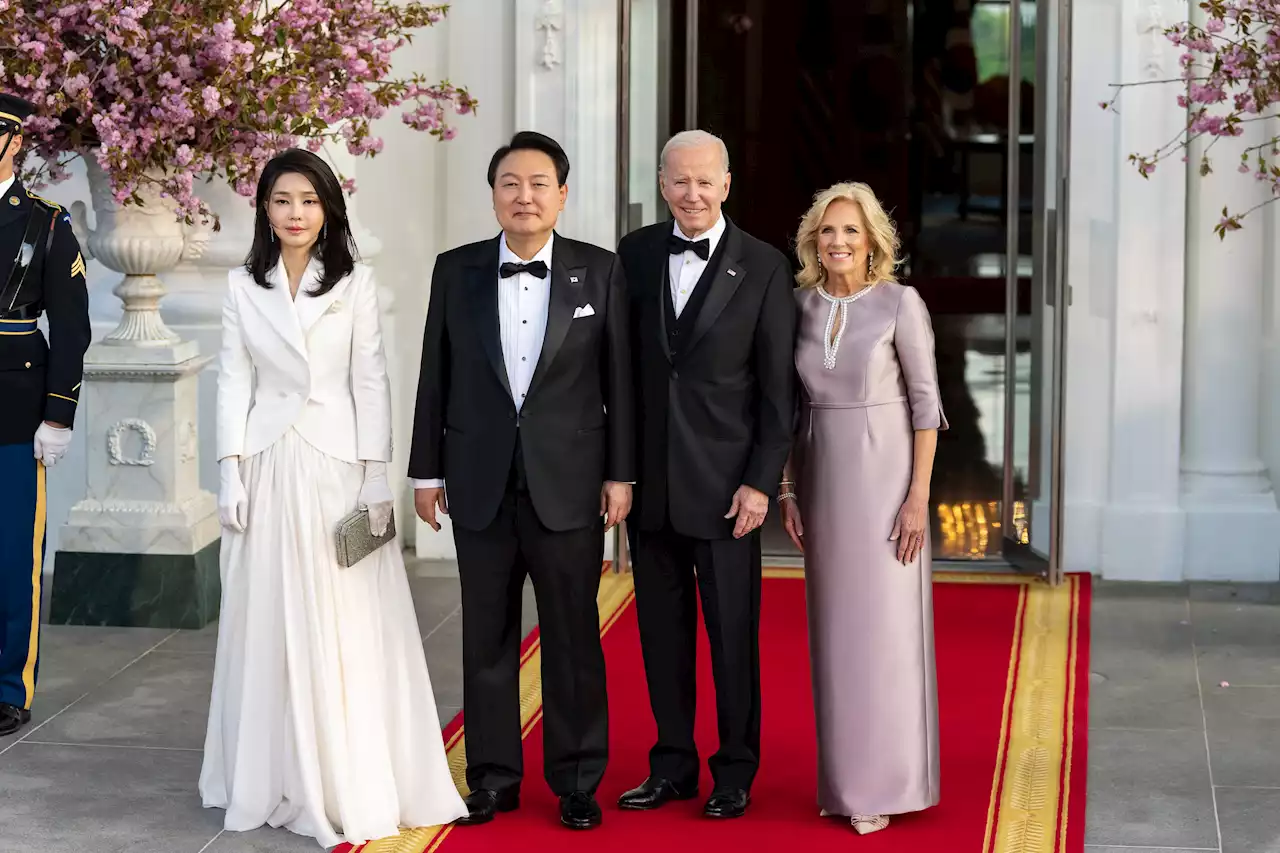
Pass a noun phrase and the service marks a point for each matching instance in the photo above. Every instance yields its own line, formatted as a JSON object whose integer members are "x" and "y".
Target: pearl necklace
{"x": 831, "y": 346}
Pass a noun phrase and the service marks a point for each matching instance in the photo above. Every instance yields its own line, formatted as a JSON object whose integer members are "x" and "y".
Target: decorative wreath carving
{"x": 143, "y": 429}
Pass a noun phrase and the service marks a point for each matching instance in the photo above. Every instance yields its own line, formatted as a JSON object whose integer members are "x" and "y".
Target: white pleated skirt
{"x": 322, "y": 718}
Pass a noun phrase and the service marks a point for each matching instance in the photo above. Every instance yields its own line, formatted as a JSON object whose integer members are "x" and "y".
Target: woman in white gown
{"x": 322, "y": 718}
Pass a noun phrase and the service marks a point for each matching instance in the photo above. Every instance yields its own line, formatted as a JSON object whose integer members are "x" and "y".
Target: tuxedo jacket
{"x": 717, "y": 400}
{"x": 315, "y": 364}
{"x": 575, "y": 426}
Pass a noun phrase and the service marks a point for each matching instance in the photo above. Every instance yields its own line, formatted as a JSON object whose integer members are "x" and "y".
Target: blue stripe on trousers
{"x": 22, "y": 535}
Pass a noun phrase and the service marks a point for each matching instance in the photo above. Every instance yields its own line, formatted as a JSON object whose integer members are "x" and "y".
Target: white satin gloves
{"x": 375, "y": 495}
{"x": 51, "y": 443}
{"x": 233, "y": 500}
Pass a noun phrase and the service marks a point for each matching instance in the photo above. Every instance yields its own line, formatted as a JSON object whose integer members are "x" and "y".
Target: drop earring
{"x": 324, "y": 231}
{"x": 272, "y": 233}
{"x": 870, "y": 269}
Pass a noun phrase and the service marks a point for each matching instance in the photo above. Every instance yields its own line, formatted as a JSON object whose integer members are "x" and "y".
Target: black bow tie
{"x": 679, "y": 245}
{"x": 535, "y": 268}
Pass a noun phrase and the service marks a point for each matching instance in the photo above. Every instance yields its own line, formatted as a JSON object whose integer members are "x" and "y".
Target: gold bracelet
{"x": 786, "y": 496}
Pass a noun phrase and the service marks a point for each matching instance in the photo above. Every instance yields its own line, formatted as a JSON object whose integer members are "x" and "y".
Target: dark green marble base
{"x": 136, "y": 590}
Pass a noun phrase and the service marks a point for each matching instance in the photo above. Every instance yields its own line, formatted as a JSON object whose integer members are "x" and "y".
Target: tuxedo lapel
{"x": 660, "y": 296}
{"x": 566, "y": 286}
{"x": 482, "y": 294}
{"x": 277, "y": 307}
{"x": 724, "y": 283}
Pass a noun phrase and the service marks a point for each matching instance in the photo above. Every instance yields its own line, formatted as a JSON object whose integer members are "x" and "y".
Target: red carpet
{"x": 1013, "y": 694}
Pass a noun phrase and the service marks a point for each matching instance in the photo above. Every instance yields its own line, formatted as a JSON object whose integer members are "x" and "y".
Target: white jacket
{"x": 316, "y": 365}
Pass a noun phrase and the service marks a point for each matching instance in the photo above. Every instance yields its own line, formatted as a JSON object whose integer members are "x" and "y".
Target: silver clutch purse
{"x": 356, "y": 541}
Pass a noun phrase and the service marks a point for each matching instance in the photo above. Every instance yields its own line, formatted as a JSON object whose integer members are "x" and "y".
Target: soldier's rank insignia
{"x": 77, "y": 268}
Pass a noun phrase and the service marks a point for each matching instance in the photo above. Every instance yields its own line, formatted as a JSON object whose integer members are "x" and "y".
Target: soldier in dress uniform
{"x": 41, "y": 271}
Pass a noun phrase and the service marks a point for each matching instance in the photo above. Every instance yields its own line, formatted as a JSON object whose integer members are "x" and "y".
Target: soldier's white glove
{"x": 233, "y": 500}
{"x": 51, "y": 443}
{"x": 375, "y": 495}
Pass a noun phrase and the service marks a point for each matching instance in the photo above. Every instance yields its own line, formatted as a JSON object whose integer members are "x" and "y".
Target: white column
{"x": 1233, "y": 525}
{"x": 1271, "y": 346}
{"x": 1142, "y": 521}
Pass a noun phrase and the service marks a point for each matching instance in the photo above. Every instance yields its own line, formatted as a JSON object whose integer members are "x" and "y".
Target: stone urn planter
{"x": 142, "y": 242}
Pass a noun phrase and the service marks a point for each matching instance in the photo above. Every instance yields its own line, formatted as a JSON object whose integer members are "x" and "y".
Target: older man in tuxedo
{"x": 714, "y": 321}
{"x": 525, "y": 421}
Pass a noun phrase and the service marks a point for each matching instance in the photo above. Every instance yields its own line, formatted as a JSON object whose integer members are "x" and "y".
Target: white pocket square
{"x": 584, "y": 311}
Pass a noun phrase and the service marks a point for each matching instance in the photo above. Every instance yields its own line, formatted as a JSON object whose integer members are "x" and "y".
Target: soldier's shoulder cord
{"x": 41, "y": 200}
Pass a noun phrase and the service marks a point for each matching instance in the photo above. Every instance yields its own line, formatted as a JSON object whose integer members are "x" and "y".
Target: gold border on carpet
{"x": 1037, "y": 739}
{"x": 1030, "y": 790}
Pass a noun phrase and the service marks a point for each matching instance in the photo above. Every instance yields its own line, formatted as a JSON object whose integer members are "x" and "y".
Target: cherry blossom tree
{"x": 172, "y": 92}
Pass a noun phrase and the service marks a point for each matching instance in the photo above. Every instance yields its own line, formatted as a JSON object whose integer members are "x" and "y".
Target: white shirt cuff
{"x": 437, "y": 483}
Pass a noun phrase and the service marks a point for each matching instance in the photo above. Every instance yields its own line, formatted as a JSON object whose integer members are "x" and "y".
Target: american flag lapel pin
{"x": 732, "y": 272}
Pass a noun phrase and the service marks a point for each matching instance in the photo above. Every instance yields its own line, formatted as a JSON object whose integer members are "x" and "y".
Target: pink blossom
{"x": 212, "y": 88}
{"x": 1231, "y": 67}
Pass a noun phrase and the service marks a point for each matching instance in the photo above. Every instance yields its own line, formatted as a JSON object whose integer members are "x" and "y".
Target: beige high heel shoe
{"x": 865, "y": 824}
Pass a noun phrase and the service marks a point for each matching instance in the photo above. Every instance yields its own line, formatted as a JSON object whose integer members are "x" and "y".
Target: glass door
{"x": 643, "y": 116}
{"x": 1038, "y": 41}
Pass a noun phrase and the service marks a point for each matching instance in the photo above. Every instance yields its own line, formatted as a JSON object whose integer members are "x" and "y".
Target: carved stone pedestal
{"x": 141, "y": 549}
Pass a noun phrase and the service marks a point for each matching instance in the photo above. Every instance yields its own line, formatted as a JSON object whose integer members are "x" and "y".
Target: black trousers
{"x": 671, "y": 570}
{"x": 565, "y": 568}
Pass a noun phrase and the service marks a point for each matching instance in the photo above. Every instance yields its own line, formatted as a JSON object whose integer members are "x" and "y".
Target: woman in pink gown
{"x": 855, "y": 499}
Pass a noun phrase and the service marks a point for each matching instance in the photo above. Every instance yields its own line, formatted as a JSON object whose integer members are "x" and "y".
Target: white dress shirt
{"x": 523, "y": 302}
{"x": 686, "y": 268}
{"x": 5, "y": 184}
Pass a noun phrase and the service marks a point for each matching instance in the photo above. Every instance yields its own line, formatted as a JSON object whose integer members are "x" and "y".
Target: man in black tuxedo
{"x": 525, "y": 410}
{"x": 714, "y": 322}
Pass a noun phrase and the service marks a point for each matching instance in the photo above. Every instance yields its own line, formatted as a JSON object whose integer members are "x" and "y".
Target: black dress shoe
{"x": 483, "y": 804}
{"x": 727, "y": 802}
{"x": 654, "y": 792}
{"x": 579, "y": 810}
{"x": 12, "y": 718}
